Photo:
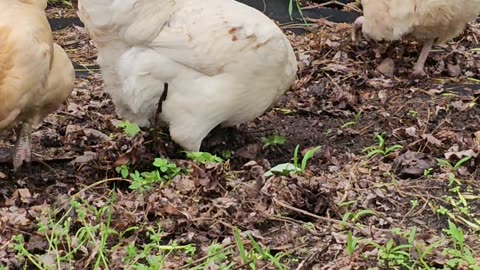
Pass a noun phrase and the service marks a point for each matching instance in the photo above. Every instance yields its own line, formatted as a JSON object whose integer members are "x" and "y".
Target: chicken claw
{"x": 357, "y": 28}
{"x": 22, "y": 152}
{"x": 418, "y": 71}
{"x": 418, "y": 74}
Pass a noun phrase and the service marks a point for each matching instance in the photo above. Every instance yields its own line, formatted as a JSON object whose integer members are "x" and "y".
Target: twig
{"x": 300, "y": 266}
{"x": 339, "y": 222}
{"x": 311, "y": 257}
{"x": 48, "y": 166}
{"x": 283, "y": 204}
{"x": 163, "y": 97}
{"x": 333, "y": 2}
{"x": 206, "y": 257}
{"x": 74, "y": 196}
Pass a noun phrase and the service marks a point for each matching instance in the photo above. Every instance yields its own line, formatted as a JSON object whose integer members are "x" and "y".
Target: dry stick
{"x": 205, "y": 257}
{"x": 334, "y": 83}
{"x": 285, "y": 205}
{"x": 213, "y": 255}
{"x": 300, "y": 266}
{"x": 243, "y": 265}
{"x": 475, "y": 37}
{"x": 310, "y": 257}
{"x": 403, "y": 106}
{"x": 366, "y": 127}
{"x": 74, "y": 196}
{"x": 46, "y": 165}
{"x": 92, "y": 256}
{"x": 293, "y": 25}
{"x": 20, "y": 231}
{"x": 433, "y": 131}
{"x": 332, "y": 2}
{"x": 407, "y": 215}
{"x": 425, "y": 130}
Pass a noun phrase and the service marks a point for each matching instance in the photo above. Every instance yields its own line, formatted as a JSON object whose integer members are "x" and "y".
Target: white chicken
{"x": 36, "y": 75}
{"x": 225, "y": 63}
{"x": 430, "y": 21}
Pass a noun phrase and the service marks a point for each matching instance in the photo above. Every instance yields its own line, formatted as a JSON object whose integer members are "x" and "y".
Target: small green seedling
{"x": 414, "y": 203}
{"x": 355, "y": 120}
{"x": 217, "y": 255}
{"x": 123, "y": 170}
{"x": 460, "y": 254}
{"x": 143, "y": 181}
{"x": 251, "y": 257}
{"x": 283, "y": 169}
{"x": 352, "y": 243}
{"x": 446, "y": 164}
{"x": 394, "y": 256}
{"x": 287, "y": 168}
{"x": 168, "y": 170}
{"x": 273, "y": 141}
{"x": 130, "y": 129}
{"x": 413, "y": 113}
{"x": 457, "y": 235}
{"x": 428, "y": 172}
{"x": 380, "y": 148}
{"x": 357, "y": 216}
{"x": 203, "y": 157}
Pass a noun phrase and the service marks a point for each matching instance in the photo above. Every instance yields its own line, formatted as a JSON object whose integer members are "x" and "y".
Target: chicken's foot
{"x": 357, "y": 28}
{"x": 22, "y": 152}
{"x": 418, "y": 71}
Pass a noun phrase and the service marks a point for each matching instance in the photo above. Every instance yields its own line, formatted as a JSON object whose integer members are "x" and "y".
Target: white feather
{"x": 225, "y": 63}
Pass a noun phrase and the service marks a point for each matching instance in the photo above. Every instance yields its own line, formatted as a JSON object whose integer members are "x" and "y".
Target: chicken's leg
{"x": 418, "y": 71}
{"x": 357, "y": 28}
{"x": 23, "y": 147}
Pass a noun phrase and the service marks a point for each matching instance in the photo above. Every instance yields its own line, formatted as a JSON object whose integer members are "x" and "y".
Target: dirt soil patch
{"x": 342, "y": 98}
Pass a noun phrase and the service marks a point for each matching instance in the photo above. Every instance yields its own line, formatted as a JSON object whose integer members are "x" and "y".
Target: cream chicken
{"x": 429, "y": 21}
{"x": 36, "y": 75}
{"x": 224, "y": 63}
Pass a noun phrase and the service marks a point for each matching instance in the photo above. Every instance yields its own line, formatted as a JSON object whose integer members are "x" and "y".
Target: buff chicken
{"x": 432, "y": 22}
{"x": 224, "y": 63}
{"x": 36, "y": 75}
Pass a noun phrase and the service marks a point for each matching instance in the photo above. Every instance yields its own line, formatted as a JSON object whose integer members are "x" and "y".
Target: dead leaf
{"x": 96, "y": 134}
{"x": 454, "y": 70}
{"x": 460, "y": 154}
{"x": 411, "y": 131}
{"x": 387, "y": 67}
{"x": 184, "y": 184}
{"x": 413, "y": 164}
{"x": 432, "y": 140}
{"x": 85, "y": 158}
